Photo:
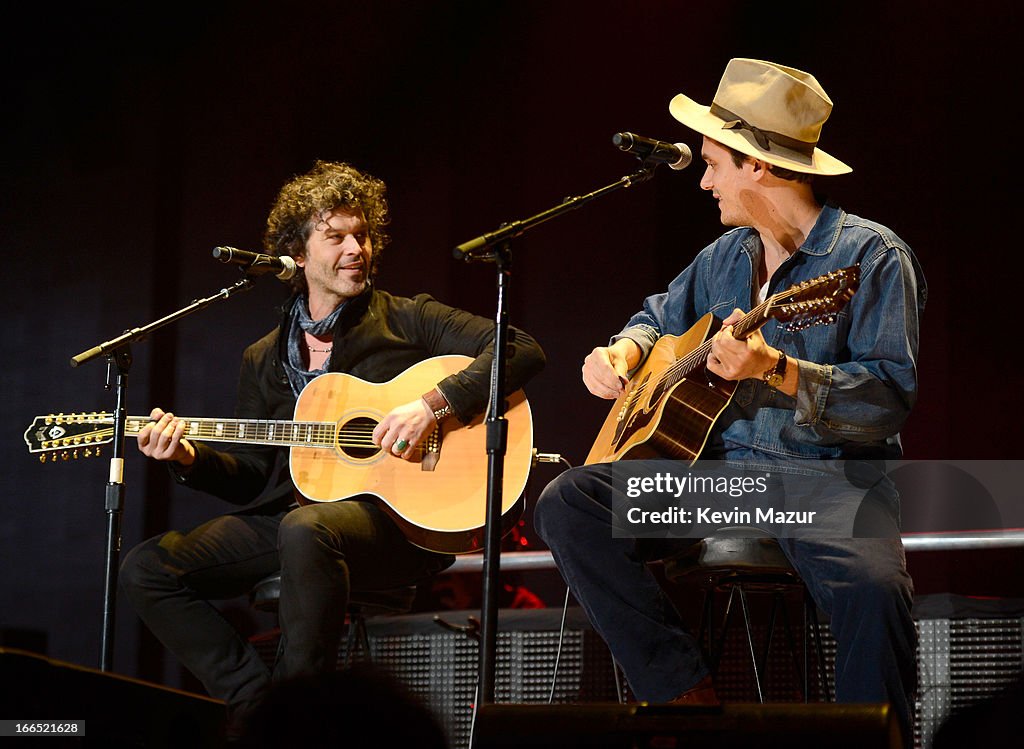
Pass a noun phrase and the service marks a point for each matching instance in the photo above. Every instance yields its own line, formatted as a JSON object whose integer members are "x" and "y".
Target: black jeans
{"x": 322, "y": 550}
{"x": 861, "y": 583}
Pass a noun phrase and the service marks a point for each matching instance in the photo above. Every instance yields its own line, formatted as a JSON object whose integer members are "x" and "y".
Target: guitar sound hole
{"x": 355, "y": 438}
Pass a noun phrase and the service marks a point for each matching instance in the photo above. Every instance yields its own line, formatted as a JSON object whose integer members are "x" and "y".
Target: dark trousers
{"x": 861, "y": 583}
{"x": 323, "y": 551}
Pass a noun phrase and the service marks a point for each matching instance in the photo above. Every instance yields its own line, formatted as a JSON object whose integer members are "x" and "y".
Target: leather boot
{"x": 702, "y": 693}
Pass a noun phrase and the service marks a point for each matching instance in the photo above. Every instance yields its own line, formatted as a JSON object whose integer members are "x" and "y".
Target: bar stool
{"x": 741, "y": 560}
{"x": 363, "y": 604}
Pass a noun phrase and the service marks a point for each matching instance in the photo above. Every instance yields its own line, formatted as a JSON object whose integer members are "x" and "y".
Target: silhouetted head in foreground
{"x": 362, "y": 703}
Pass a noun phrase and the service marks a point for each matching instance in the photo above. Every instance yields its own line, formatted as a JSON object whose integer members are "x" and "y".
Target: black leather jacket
{"x": 377, "y": 337}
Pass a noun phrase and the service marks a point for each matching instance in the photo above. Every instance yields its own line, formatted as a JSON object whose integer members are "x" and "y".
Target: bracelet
{"x": 438, "y": 405}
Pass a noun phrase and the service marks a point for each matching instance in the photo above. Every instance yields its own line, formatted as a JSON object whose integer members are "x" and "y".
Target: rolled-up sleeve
{"x": 869, "y": 396}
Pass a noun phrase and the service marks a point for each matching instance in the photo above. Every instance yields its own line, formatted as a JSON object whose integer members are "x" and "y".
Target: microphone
{"x": 676, "y": 155}
{"x": 256, "y": 263}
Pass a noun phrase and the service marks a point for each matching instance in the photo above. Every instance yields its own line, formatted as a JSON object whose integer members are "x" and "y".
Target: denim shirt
{"x": 857, "y": 375}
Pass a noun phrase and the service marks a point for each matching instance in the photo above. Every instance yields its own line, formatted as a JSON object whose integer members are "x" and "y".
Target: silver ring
{"x": 401, "y": 445}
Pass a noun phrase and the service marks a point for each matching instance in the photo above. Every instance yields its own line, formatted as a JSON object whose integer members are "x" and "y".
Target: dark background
{"x": 137, "y": 138}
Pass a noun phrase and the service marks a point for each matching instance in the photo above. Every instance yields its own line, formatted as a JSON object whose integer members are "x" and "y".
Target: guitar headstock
{"x": 69, "y": 436}
{"x": 814, "y": 302}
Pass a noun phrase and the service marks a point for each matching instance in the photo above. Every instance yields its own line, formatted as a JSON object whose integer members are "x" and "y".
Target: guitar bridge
{"x": 431, "y": 450}
{"x": 627, "y": 405}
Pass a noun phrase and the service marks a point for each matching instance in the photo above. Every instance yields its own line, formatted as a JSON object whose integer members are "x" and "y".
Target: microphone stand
{"x": 494, "y": 247}
{"x": 119, "y": 358}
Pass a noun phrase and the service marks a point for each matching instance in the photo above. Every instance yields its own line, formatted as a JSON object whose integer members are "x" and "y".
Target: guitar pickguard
{"x": 632, "y": 417}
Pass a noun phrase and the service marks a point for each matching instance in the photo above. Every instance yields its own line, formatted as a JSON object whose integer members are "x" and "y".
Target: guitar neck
{"x": 753, "y": 320}
{"x": 741, "y": 330}
{"x": 251, "y": 431}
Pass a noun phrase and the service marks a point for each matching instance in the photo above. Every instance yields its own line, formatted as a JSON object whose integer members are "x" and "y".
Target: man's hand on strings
{"x": 404, "y": 428}
{"x": 606, "y": 368}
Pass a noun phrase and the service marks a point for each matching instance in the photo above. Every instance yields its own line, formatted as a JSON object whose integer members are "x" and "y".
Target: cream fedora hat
{"x": 767, "y": 111}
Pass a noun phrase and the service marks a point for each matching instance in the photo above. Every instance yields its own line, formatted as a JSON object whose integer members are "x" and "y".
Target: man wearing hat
{"x": 825, "y": 393}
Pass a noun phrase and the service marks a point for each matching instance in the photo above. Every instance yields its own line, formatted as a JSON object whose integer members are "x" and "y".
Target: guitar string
{"x": 353, "y": 436}
{"x": 689, "y": 362}
{"x": 323, "y": 434}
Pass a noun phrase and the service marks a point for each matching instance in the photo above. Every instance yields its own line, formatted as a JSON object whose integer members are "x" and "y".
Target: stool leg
{"x": 706, "y": 627}
{"x": 750, "y": 641}
{"x": 350, "y": 641}
{"x": 620, "y": 689}
{"x": 357, "y": 636}
{"x": 716, "y": 650}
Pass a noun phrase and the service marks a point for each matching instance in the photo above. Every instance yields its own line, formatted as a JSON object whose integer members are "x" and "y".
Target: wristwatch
{"x": 777, "y": 373}
{"x": 437, "y": 403}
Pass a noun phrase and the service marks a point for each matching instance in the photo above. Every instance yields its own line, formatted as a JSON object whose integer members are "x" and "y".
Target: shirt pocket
{"x": 744, "y": 393}
{"x": 822, "y": 343}
{"x": 723, "y": 309}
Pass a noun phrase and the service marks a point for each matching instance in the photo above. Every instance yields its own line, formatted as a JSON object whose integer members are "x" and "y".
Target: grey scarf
{"x": 299, "y": 323}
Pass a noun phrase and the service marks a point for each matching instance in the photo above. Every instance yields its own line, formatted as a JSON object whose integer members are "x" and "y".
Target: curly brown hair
{"x": 305, "y": 200}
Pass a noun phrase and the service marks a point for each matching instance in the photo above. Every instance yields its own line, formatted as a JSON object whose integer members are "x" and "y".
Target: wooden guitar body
{"x": 440, "y": 499}
{"x": 652, "y": 419}
{"x": 672, "y": 401}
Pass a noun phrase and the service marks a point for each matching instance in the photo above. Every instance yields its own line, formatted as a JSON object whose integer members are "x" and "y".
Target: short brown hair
{"x": 780, "y": 172}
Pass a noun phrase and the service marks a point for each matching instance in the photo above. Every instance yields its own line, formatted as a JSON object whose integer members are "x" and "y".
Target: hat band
{"x": 764, "y": 138}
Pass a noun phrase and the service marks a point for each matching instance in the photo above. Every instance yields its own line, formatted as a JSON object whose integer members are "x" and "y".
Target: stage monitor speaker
{"x": 118, "y": 711}
{"x": 642, "y": 726}
{"x": 961, "y": 661}
{"x": 438, "y": 662}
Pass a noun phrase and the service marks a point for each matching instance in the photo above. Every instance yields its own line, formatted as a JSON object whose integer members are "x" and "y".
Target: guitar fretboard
{"x": 58, "y": 431}
{"x": 696, "y": 358}
{"x": 251, "y": 431}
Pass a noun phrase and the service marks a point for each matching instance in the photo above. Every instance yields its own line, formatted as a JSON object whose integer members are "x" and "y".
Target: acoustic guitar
{"x": 439, "y": 500}
{"x": 672, "y": 401}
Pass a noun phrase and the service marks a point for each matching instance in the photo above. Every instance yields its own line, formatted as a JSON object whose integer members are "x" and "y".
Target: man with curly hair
{"x": 332, "y": 221}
